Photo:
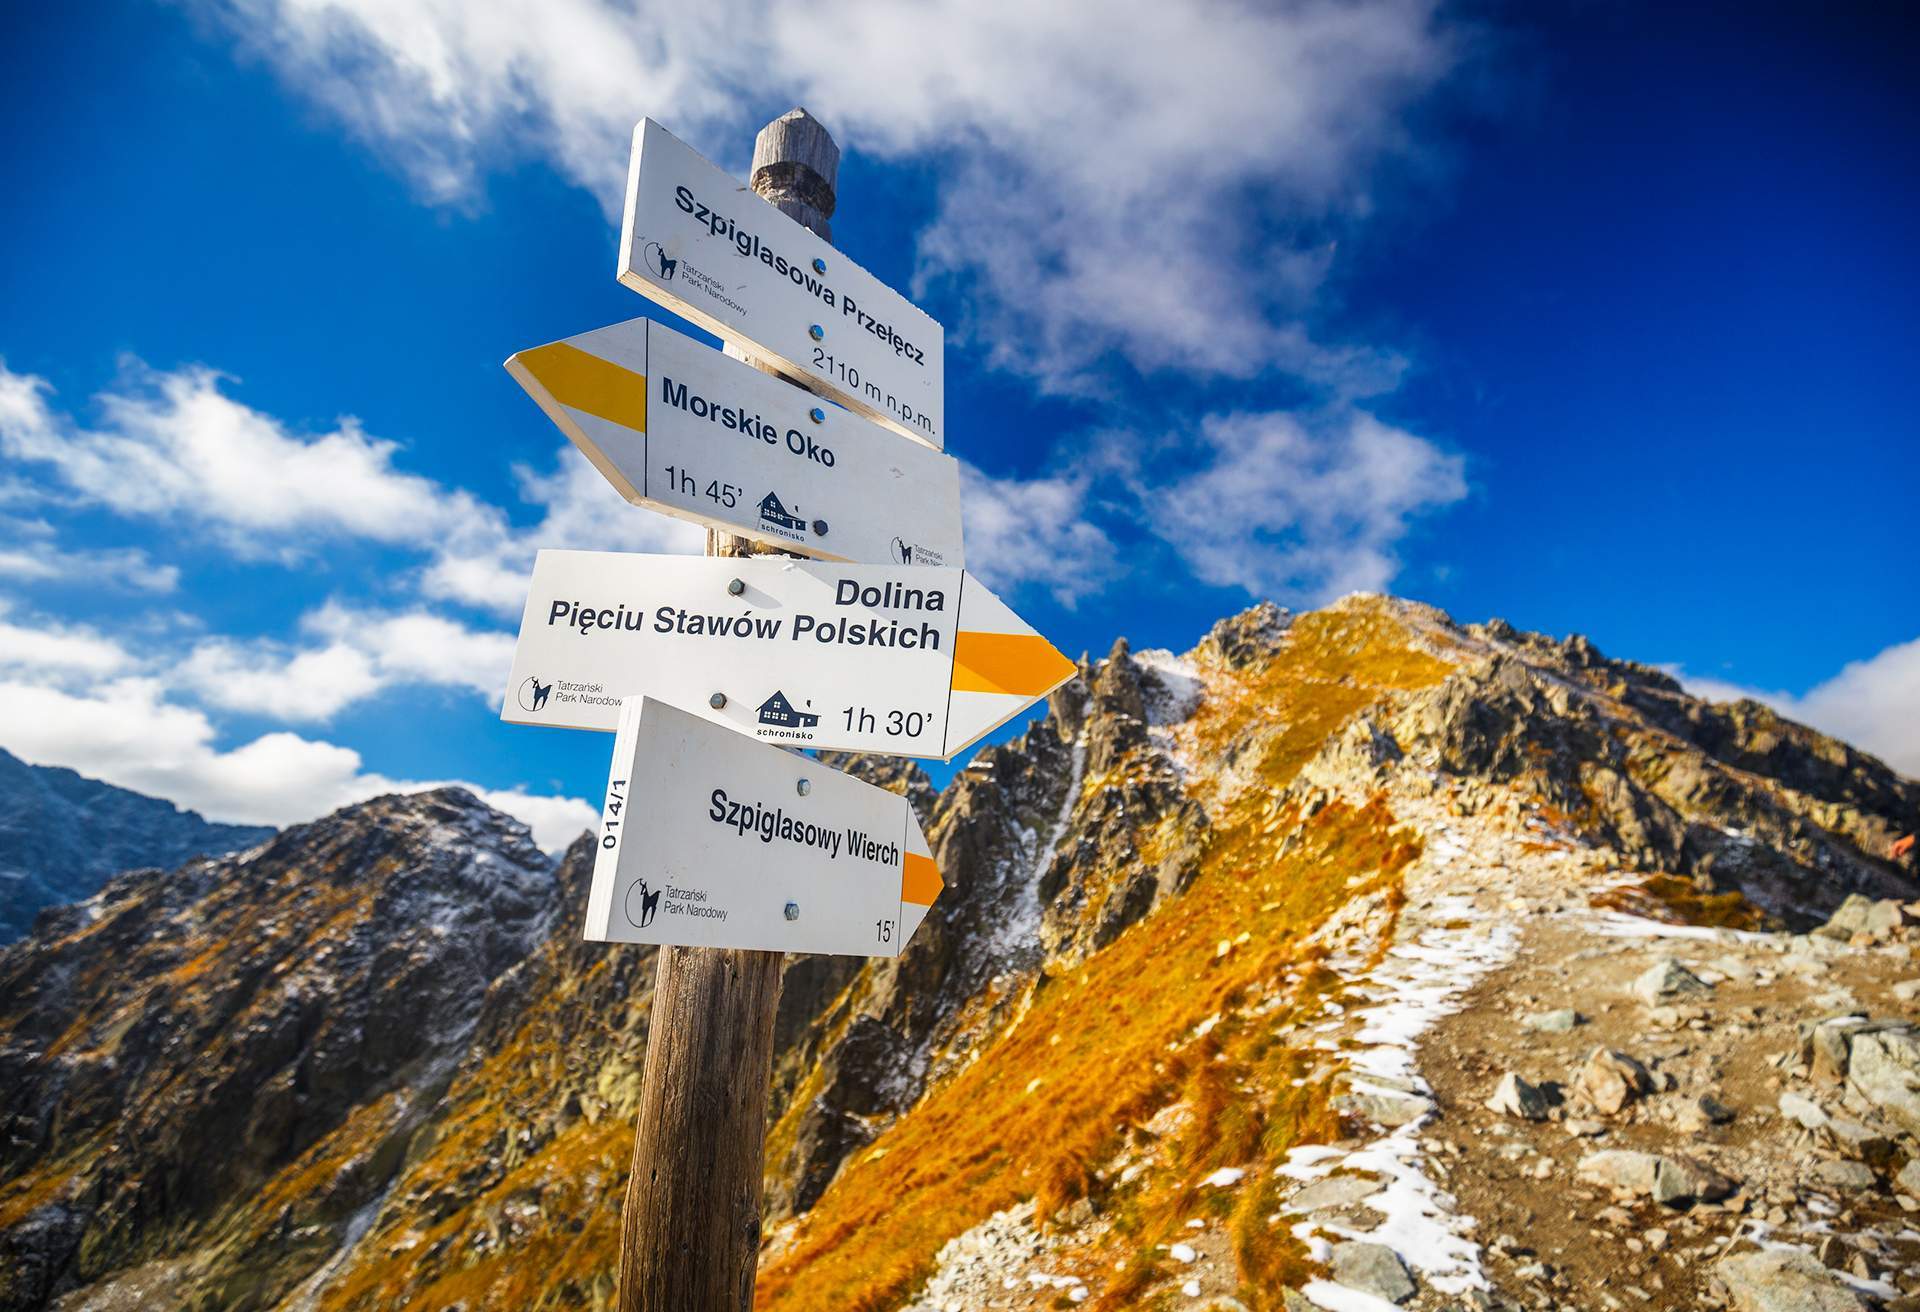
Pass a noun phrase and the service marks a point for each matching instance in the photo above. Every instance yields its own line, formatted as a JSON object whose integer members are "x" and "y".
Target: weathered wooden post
{"x": 690, "y": 1229}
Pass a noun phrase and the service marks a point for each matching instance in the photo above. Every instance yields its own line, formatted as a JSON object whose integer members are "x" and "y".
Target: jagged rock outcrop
{"x": 1730, "y": 796}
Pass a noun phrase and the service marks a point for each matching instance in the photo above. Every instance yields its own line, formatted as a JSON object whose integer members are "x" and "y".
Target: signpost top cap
{"x": 796, "y": 166}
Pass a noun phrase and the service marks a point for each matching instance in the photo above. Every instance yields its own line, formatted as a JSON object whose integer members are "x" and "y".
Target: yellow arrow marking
{"x": 575, "y": 378}
{"x": 919, "y": 880}
{"x": 1017, "y": 664}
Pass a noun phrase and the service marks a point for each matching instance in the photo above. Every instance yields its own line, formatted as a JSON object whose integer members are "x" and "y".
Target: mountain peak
{"x": 63, "y": 834}
{"x": 263, "y": 1002}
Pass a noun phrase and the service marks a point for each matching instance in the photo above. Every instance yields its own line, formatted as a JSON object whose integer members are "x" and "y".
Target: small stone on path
{"x": 1372, "y": 1269}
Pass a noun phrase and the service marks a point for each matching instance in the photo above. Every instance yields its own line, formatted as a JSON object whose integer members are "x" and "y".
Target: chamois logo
{"x": 642, "y": 901}
{"x": 657, "y": 256}
{"x": 534, "y": 694}
{"x": 912, "y": 553}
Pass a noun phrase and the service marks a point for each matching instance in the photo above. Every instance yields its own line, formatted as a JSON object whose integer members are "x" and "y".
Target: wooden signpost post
{"x": 725, "y": 851}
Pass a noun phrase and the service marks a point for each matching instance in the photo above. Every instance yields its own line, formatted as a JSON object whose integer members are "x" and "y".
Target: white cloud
{"x": 34, "y": 553}
{"x": 581, "y": 510}
{"x": 125, "y": 732}
{"x": 128, "y": 566}
{"x": 362, "y": 653}
{"x": 1164, "y": 181}
{"x": 1297, "y": 508}
{"x": 77, "y": 698}
{"x": 418, "y": 646}
{"x": 1873, "y": 704}
{"x": 23, "y": 403}
{"x": 174, "y": 446}
{"x": 555, "y": 821}
{"x": 263, "y": 678}
{"x": 1035, "y": 531}
{"x": 57, "y": 653}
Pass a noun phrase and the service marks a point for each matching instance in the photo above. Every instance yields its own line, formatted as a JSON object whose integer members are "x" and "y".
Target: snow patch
{"x": 1339, "y": 1298}
{"x": 1617, "y": 924}
{"x": 1173, "y": 692}
{"x": 1418, "y": 982}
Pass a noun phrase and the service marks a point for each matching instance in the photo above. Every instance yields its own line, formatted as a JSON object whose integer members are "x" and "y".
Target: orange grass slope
{"x": 1173, "y": 1023}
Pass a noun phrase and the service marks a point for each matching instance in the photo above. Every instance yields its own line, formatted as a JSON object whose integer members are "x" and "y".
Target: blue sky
{"x": 1599, "y": 318}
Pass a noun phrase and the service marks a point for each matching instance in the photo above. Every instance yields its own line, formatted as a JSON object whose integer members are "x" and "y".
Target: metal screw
{"x": 820, "y": 528}
{"x": 816, "y": 414}
{"x": 793, "y": 911}
{"x": 735, "y": 587}
{"x": 819, "y": 266}
{"x": 718, "y": 700}
{"x": 816, "y": 332}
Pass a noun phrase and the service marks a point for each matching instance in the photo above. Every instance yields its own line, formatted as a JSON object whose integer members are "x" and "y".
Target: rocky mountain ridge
{"x": 1226, "y": 969}
{"x": 62, "y": 835}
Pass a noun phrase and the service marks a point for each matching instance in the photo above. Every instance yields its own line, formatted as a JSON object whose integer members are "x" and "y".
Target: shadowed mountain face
{"x": 373, "y": 1066}
{"x": 62, "y": 834}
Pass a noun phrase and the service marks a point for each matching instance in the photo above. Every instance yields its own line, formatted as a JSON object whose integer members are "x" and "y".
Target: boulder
{"x": 1610, "y": 1080}
{"x": 1804, "y": 1110}
{"x": 1674, "y": 1181}
{"x": 1786, "y": 1280}
{"x": 1388, "y": 1109}
{"x": 1515, "y": 1097}
{"x": 1696, "y": 1114}
{"x": 1554, "y": 1022}
{"x": 1859, "y": 1141}
{"x": 1666, "y": 980}
{"x": 1824, "y": 1045}
{"x": 1372, "y": 1269}
{"x": 1841, "y": 1175}
{"x": 1335, "y": 1191}
{"x": 1883, "y": 1066}
{"x": 1876, "y": 921}
{"x": 1909, "y": 1178}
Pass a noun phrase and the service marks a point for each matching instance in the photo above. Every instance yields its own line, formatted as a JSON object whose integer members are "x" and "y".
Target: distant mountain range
{"x": 63, "y": 835}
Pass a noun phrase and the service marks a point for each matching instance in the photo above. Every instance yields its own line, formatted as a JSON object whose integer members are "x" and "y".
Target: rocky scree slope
{"x": 62, "y": 835}
{"x": 1168, "y": 1038}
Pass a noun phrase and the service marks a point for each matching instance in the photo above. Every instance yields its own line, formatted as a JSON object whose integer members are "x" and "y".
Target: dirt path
{"x": 1554, "y": 1240}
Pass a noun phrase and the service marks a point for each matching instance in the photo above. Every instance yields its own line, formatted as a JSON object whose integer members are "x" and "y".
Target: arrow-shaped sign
{"x": 679, "y": 428}
{"x": 707, "y": 248}
{"x": 910, "y": 661}
{"x": 735, "y": 844}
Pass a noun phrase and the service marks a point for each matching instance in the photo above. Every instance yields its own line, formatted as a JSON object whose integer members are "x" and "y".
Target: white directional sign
{"x": 907, "y": 660}
{"x": 708, "y": 839}
{"x": 703, "y": 245}
{"x": 683, "y": 429}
